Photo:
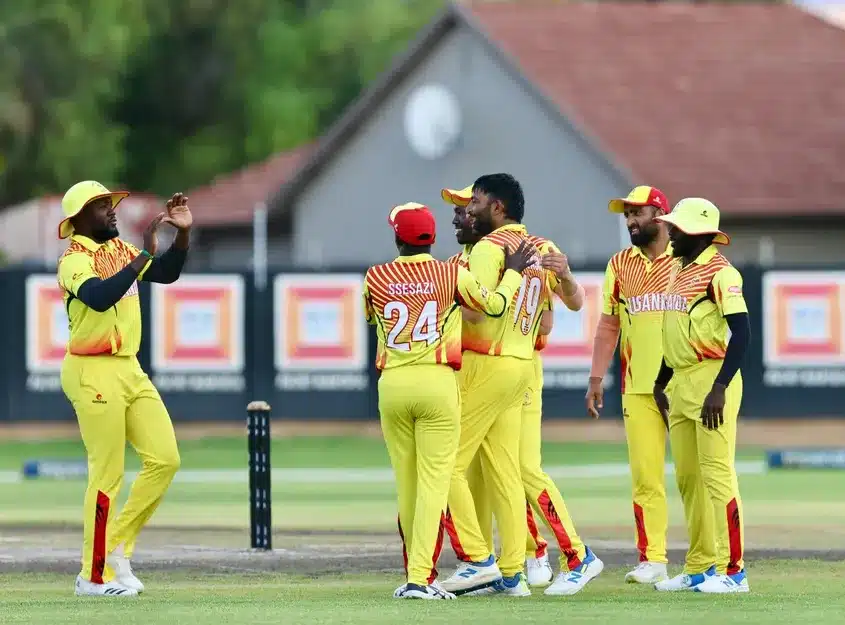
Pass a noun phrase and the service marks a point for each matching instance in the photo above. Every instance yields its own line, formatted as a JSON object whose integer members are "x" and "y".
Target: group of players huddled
{"x": 461, "y": 378}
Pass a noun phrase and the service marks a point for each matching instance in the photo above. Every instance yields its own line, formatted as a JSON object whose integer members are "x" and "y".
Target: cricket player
{"x": 633, "y": 304}
{"x": 113, "y": 398}
{"x": 413, "y": 301}
{"x": 540, "y": 490}
{"x": 537, "y": 568}
{"x": 705, "y": 336}
{"x": 500, "y": 354}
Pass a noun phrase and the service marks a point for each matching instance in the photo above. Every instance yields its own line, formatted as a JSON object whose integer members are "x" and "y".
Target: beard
{"x": 645, "y": 236}
{"x": 482, "y": 225}
{"x": 106, "y": 233}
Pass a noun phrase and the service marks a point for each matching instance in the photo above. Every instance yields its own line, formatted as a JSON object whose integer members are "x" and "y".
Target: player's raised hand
{"x": 713, "y": 408}
{"x": 594, "y": 397}
{"x": 178, "y": 213}
{"x": 558, "y": 263}
{"x": 150, "y": 234}
{"x": 521, "y": 258}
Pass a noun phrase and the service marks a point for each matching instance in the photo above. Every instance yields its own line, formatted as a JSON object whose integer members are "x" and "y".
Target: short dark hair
{"x": 507, "y": 190}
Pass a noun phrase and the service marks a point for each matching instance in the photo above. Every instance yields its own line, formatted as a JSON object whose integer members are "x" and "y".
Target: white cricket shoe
{"x": 84, "y": 588}
{"x": 571, "y": 582}
{"x": 123, "y": 574}
{"x": 471, "y": 576}
{"x": 538, "y": 571}
{"x": 415, "y": 591}
{"x": 647, "y": 573}
{"x": 720, "y": 584}
{"x": 514, "y": 586}
{"x": 685, "y": 581}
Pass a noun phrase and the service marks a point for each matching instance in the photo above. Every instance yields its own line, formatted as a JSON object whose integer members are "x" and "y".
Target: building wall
{"x": 785, "y": 243}
{"x": 341, "y": 217}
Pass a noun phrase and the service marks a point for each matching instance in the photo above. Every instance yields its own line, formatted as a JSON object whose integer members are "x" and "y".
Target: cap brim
{"x": 618, "y": 205}
{"x": 66, "y": 228}
{"x": 720, "y": 239}
{"x": 453, "y": 196}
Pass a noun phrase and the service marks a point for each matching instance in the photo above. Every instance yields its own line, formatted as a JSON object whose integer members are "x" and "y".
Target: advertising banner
{"x": 803, "y": 323}
{"x": 197, "y": 337}
{"x": 568, "y": 353}
{"x": 47, "y": 332}
{"x": 320, "y": 332}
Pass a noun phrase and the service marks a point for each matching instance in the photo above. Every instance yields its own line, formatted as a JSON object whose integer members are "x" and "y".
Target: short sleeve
{"x": 486, "y": 262}
{"x": 74, "y": 270}
{"x": 610, "y": 292}
{"x": 727, "y": 290}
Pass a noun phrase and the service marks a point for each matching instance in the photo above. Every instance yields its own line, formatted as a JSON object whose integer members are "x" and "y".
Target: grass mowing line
{"x": 372, "y": 476}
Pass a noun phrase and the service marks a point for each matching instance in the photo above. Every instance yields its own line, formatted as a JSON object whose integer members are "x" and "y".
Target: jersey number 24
{"x": 424, "y": 329}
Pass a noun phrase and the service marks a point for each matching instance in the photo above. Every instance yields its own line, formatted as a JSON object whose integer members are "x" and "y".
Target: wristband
{"x": 146, "y": 253}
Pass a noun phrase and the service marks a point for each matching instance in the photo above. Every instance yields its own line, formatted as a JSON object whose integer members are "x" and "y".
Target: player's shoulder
{"x": 501, "y": 237}
{"x": 723, "y": 269}
{"x": 621, "y": 258}
{"x": 75, "y": 252}
{"x": 543, "y": 245}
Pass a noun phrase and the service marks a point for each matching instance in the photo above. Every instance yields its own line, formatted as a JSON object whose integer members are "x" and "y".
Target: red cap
{"x": 413, "y": 223}
{"x": 641, "y": 196}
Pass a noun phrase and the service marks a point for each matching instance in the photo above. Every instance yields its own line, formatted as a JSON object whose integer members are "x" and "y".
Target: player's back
{"x": 416, "y": 314}
{"x": 515, "y": 333}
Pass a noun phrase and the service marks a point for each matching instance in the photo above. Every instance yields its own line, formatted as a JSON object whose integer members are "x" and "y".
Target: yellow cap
{"x": 458, "y": 197}
{"x": 78, "y": 196}
{"x": 695, "y": 215}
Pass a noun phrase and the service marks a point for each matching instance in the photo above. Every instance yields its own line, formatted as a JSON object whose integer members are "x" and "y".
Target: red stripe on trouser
{"x": 404, "y": 546}
{"x": 438, "y": 547}
{"x": 449, "y": 525}
{"x": 642, "y": 536}
{"x": 540, "y": 551}
{"x": 734, "y": 537}
{"x": 563, "y": 540}
{"x": 101, "y": 519}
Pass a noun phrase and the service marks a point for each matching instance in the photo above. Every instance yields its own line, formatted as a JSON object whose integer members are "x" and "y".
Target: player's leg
{"x": 701, "y": 554}
{"x": 538, "y": 571}
{"x": 716, "y": 452}
{"x": 481, "y": 497}
{"x": 475, "y": 479}
{"x": 500, "y": 457}
{"x": 646, "y": 436}
{"x": 100, "y": 410}
{"x": 436, "y": 432}
{"x": 150, "y": 432}
{"x": 481, "y": 395}
{"x": 398, "y": 432}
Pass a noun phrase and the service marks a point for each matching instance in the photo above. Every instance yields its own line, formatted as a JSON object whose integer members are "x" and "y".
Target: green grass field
{"x": 804, "y": 591}
{"x": 800, "y": 510}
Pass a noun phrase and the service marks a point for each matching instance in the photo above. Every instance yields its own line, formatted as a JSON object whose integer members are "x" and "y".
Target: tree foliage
{"x": 158, "y": 96}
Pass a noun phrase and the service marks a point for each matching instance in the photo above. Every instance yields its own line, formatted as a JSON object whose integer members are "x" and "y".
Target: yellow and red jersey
{"x": 634, "y": 290}
{"x": 514, "y": 334}
{"x": 116, "y": 331}
{"x": 698, "y": 298}
{"x": 414, "y": 302}
{"x": 461, "y": 258}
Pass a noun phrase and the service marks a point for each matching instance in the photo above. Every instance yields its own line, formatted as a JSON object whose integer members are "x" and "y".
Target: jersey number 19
{"x": 527, "y": 303}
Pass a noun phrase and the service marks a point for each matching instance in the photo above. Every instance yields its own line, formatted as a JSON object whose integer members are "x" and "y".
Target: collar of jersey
{"x": 636, "y": 251}
{"x": 416, "y": 258}
{"x": 90, "y": 244}
{"x": 512, "y": 228}
{"x": 706, "y": 256}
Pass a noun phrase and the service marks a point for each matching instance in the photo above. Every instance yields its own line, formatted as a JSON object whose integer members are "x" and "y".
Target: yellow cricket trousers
{"x": 492, "y": 394}
{"x": 115, "y": 401}
{"x": 541, "y": 493}
{"x": 705, "y": 471}
{"x": 646, "y": 436}
{"x": 420, "y": 410}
